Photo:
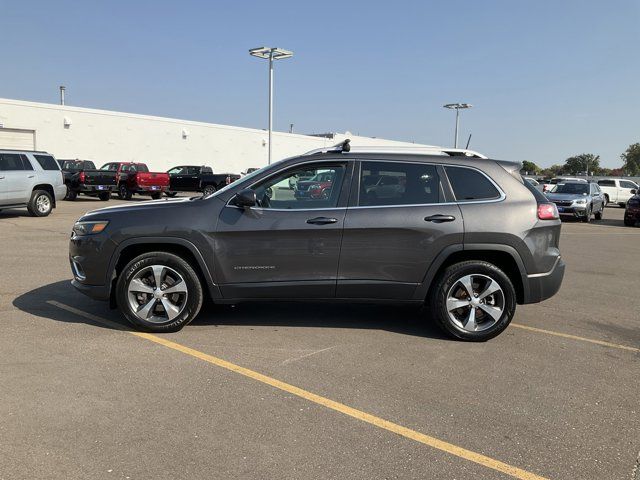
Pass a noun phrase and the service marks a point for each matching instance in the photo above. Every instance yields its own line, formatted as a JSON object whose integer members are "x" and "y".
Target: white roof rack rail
{"x": 344, "y": 147}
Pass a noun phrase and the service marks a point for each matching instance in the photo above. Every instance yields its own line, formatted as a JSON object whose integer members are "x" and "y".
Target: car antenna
{"x": 468, "y": 142}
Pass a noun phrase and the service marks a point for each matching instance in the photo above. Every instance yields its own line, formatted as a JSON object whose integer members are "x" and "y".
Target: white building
{"x": 105, "y": 136}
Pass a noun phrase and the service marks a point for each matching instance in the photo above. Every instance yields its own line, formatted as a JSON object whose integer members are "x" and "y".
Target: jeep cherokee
{"x": 461, "y": 234}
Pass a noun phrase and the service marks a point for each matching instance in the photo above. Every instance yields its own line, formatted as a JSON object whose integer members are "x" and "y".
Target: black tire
{"x": 40, "y": 204}
{"x": 622, "y": 204}
{"x": 600, "y": 214}
{"x": 123, "y": 192}
{"x": 449, "y": 277}
{"x": 587, "y": 216}
{"x": 156, "y": 196}
{"x": 194, "y": 296}
{"x": 104, "y": 196}
{"x": 209, "y": 190}
{"x": 171, "y": 194}
{"x": 71, "y": 195}
{"x": 629, "y": 223}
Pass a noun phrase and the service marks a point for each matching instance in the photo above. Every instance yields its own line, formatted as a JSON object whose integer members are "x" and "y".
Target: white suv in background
{"x": 30, "y": 179}
{"x": 617, "y": 190}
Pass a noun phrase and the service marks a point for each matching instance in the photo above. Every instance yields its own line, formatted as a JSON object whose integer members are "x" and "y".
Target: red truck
{"x": 136, "y": 178}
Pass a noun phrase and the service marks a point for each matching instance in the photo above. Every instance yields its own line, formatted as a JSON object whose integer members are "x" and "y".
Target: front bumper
{"x": 89, "y": 259}
{"x": 151, "y": 189}
{"x": 545, "y": 285}
{"x": 97, "y": 292}
{"x": 574, "y": 211}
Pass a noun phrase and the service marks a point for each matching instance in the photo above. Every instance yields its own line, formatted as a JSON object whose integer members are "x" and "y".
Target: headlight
{"x": 89, "y": 228}
{"x": 582, "y": 201}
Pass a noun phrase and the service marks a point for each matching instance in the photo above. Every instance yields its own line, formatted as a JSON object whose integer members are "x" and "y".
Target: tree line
{"x": 588, "y": 162}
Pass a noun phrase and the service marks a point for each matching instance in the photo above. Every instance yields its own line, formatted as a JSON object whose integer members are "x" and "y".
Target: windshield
{"x": 572, "y": 188}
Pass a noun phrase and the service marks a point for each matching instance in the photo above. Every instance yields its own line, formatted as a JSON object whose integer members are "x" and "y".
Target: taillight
{"x": 547, "y": 211}
{"x": 81, "y": 177}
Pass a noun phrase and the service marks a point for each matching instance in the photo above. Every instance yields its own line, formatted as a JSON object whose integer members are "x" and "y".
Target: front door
{"x": 397, "y": 226}
{"x": 288, "y": 245}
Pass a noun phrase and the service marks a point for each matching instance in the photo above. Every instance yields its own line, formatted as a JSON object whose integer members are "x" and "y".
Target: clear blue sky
{"x": 548, "y": 79}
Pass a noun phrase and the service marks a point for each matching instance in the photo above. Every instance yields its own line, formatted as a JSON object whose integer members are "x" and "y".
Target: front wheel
{"x": 123, "y": 192}
{"x": 600, "y": 214}
{"x": 587, "y": 216}
{"x": 473, "y": 300}
{"x": 159, "y": 292}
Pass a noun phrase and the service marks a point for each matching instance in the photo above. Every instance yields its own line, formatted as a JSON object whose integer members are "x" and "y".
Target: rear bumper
{"x": 545, "y": 285}
{"x": 97, "y": 188}
{"x": 147, "y": 189}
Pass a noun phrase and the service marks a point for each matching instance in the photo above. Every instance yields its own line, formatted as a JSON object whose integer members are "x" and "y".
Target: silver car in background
{"x": 578, "y": 199}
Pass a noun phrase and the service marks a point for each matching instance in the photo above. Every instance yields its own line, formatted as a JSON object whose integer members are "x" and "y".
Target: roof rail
{"x": 345, "y": 147}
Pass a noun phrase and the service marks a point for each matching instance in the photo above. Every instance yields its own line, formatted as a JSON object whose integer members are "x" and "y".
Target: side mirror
{"x": 245, "y": 198}
{"x": 634, "y": 191}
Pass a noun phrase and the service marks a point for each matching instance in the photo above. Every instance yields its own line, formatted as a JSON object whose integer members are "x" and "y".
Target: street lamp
{"x": 271, "y": 54}
{"x": 457, "y": 107}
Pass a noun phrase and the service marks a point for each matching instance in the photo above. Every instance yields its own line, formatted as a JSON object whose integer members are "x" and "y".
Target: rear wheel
{"x": 156, "y": 196}
{"x": 71, "y": 195}
{"x": 209, "y": 190}
{"x": 104, "y": 196}
{"x": 473, "y": 300}
{"x": 40, "y": 204}
{"x": 159, "y": 292}
{"x": 123, "y": 192}
{"x": 606, "y": 199}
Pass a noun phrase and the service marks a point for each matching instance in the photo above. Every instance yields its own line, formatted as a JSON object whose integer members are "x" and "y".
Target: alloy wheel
{"x": 475, "y": 303}
{"x": 43, "y": 204}
{"x": 157, "y": 294}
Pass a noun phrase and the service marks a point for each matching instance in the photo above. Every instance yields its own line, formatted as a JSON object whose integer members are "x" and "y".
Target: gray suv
{"x": 466, "y": 237}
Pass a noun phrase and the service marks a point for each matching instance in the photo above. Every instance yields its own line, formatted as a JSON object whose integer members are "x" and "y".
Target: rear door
{"x": 16, "y": 178}
{"x": 284, "y": 247}
{"x": 397, "y": 222}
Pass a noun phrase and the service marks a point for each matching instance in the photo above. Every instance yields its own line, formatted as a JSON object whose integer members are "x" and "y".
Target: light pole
{"x": 457, "y": 107}
{"x": 271, "y": 54}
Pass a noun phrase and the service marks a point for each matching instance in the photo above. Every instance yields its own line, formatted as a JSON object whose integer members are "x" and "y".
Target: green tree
{"x": 553, "y": 171}
{"x": 631, "y": 160}
{"x": 582, "y": 163}
{"x": 530, "y": 168}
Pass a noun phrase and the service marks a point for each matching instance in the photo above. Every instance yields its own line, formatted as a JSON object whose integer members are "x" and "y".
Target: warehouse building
{"x": 105, "y": 136}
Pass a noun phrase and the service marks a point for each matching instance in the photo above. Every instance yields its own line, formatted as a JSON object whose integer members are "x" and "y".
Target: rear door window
{"x": 627, "y": 184}
{"x": 469, "y": 184}
{"x": 10, "y": 161}
{"x": 47, "y": 162}
{"x": 26, "y": 163}
{"x": 398, "y": 183}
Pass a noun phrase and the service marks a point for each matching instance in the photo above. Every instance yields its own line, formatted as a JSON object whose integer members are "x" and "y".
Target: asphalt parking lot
{"x": 292, "y": 391}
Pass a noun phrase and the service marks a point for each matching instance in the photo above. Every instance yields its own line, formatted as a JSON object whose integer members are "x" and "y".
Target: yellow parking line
{"x": 320, "y": 400}
{"x": 575, "y": 337}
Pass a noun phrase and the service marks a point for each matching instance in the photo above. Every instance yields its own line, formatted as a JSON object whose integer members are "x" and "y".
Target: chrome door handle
{"x": 321, "y": 220}
{"x": 439, "y": 218}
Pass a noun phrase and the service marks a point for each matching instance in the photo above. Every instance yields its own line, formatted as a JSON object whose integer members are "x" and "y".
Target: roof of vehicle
{"x": 23, "y": 151}
{"x": 345, "y": 147}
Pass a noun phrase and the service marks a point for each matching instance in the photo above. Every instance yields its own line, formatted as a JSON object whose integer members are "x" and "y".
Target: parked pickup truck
{"x": 617, "y": 190}
{"x": 136, "y": 178}
{"x": 81, "y": 176}
{"x": 193, "y": 178}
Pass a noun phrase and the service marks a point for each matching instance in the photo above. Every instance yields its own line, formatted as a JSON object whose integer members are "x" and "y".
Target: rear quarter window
{"x": 469, "y": 184}
{"x": 47, "y": 162}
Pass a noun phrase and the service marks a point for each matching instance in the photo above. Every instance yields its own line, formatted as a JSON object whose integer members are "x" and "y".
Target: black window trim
{"x": 342, "y": 199}
{"x": 444, "y": 185}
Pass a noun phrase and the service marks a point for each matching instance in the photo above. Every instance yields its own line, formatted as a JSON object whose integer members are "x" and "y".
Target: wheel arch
{"x": 504, "y": 257}
{"x": 48, "y": 188}
{"x": 131, "y": 248}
